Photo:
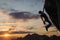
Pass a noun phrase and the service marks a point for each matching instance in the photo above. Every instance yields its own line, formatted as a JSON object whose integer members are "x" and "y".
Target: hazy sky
{"x": 31, "y": 25}
{"x": 32, "y": 6}
{"x": 22, "y": 5}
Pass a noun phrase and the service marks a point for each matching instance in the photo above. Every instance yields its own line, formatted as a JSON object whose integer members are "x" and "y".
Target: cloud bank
{"x": 24, "y": 15}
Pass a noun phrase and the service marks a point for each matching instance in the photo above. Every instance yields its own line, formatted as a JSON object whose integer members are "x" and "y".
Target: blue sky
{"x": 22, "y": 5}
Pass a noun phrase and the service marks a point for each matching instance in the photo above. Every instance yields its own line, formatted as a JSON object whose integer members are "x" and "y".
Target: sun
{"x": 6, "y": 35}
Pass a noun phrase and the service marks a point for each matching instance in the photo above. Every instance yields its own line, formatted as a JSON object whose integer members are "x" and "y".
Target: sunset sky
{"x": 6, "y": 23}
{"x": 22, "y": 16}
{"x": 30, "y": 6}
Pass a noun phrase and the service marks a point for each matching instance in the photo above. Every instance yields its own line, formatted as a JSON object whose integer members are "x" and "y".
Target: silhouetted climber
{"x": 51, "y": 7}
{"x": 43, "y": 15}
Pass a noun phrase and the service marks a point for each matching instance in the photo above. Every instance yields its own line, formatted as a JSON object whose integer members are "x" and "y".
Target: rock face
{"x": 52, "y": 7}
